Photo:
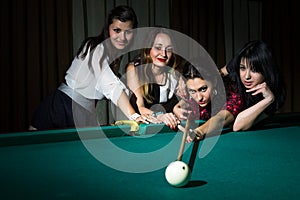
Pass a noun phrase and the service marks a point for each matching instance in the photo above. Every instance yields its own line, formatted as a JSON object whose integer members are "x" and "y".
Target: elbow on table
{"x": 239, "y": 127}
{"x": 235, "y": 128}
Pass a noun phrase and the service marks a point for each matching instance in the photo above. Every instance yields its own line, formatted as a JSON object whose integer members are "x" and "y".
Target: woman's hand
{"x": 145, "y": 111}
{"x": 193, "y": 135}
{"x": 147, "y": 118}
{"x": 169, "y": 119}
{"x": 264, "y": 90}
{"x": 180, "y": 110}
{"x": 144, "y": 118}
{"x": 181, "y": 88}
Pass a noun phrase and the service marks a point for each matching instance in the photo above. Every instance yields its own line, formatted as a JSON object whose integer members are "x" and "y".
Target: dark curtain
{"x": 203, "y": 21}
{"x": 36, "y": 47}
{"x": 281, "y": 29}
{"x": 36, "y": 50}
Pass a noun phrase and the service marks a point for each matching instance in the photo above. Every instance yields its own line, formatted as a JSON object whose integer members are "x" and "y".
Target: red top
{"x": 234, "y": 104}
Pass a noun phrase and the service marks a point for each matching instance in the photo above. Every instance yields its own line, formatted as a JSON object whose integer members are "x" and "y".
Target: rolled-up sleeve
{"x": 110, "y": 85}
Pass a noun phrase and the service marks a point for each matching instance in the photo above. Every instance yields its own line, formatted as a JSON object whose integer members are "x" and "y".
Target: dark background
{"x": 37, "y": 46}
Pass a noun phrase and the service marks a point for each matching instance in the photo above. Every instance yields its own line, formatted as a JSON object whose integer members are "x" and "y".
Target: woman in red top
{"x": 207, "y": 100}
{"x": 259, "y": 81}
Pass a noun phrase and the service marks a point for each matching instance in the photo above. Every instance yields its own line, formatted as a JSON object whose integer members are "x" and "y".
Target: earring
{"x": 215, "y": 92}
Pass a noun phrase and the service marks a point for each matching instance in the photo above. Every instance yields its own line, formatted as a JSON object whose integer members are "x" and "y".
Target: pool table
{"x": 108, "y": 163}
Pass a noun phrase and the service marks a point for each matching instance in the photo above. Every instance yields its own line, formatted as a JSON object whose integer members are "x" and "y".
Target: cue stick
{"x": 193, "y": 154}
{"x": 185, "y": 133}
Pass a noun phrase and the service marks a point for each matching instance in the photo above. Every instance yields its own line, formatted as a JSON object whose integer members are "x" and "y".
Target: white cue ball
{"x": 178, "y": 173}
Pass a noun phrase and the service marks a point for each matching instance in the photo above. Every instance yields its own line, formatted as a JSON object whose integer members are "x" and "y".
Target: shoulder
{"x": 138, "y": 60}
{"x": 99, "y": 48}
{"x": 134, "y": 63}
{"x": 95, "y": 53}
{"x": 130, "y": 66}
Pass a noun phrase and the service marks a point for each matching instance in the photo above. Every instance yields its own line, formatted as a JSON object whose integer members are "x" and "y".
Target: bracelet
{"x": 157, "y": 113}
{"x": 134, "y": 116}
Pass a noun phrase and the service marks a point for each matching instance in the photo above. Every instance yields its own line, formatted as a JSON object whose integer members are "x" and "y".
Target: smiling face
{"x": 120, "y": 33}
{"x": 248, "y": 76}
{"x": 200, "y": 90}
{"x": 161, "y": 51}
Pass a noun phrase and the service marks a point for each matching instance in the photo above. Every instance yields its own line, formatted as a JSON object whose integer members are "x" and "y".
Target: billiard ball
{"x": 178, "y": 173}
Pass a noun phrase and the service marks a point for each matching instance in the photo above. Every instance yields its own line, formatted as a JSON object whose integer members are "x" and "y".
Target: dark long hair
{"x": 123, "y": 13}
{"x": 259, "y": 56}
{"x": 194, "y": 69}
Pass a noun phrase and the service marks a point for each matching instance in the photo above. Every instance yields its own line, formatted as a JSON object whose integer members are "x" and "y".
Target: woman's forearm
{"x": 246, "y": 118}
{"x": 125, "y": 106}
{"x": 216, "y": 122}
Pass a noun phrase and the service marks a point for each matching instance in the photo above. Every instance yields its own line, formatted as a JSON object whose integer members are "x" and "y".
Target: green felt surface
{"x": 32, "y": 137}
{"x": 258, "y": 164}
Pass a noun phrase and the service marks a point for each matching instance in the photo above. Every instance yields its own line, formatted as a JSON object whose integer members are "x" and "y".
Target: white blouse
{"x": 92, "y": 80}
{"x": 170, "y": 85}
